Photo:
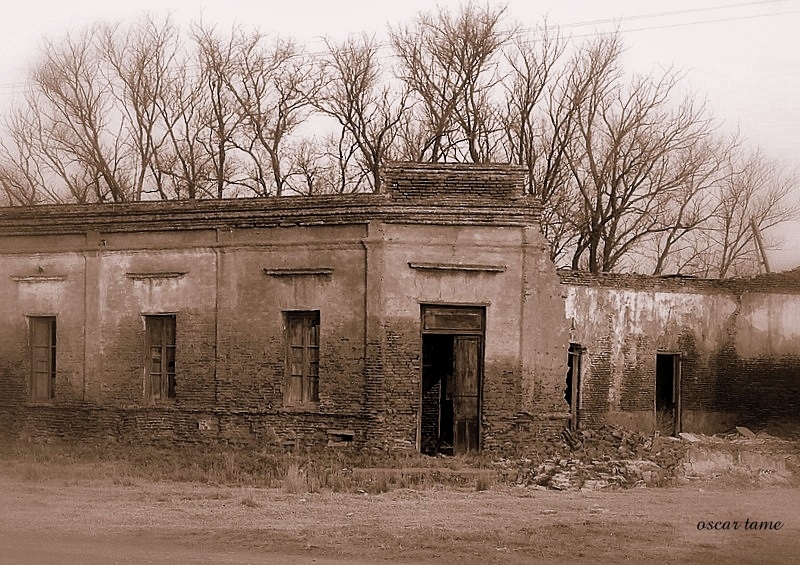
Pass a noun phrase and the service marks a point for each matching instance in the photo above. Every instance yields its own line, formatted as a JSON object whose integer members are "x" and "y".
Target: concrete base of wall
{"x": 641, "y": 421}
{"x": 710, "y": 422}
{"x": 693, "y": 421}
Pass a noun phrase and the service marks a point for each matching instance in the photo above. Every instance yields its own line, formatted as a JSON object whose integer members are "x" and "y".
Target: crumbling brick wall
{"x": 738, "y": 340}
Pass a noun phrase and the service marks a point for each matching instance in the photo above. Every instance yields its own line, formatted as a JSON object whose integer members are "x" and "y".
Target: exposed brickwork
{"x": 737, "y": 338}
{"x": 461, "y": 182}
{"x": 228, "y": 270}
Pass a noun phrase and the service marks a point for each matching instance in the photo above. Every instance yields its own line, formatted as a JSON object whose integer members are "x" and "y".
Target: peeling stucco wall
{"x": 102, "y": 269}
{"x": 739, "y": 342}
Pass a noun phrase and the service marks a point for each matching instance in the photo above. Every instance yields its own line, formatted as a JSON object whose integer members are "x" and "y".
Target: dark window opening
{"x": 572, "y": 390}
{"x": 667, "y": 402}
{"x": 43, "y": 357}
{"x": 160, "y": 360}
{"x": 302, "y": 357}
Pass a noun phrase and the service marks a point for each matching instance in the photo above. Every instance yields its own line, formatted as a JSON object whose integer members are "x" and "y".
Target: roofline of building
{"x": 448, "y": 209}
{"x": 419, "y": 193}
{"x": 787, "y": 281}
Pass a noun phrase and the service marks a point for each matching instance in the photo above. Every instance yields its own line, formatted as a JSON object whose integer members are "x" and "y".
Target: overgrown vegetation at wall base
{"x": 607, "y": 459}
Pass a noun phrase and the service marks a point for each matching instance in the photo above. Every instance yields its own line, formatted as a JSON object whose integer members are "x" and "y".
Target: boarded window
{"x": 43, "y": 357}
{"x": 302, "y": 357}
{"x": 160, "y": 357}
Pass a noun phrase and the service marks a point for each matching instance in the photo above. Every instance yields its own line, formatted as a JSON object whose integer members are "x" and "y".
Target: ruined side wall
{"x": 738, "y": 340}
{"x": 766, "y": 340}
{"x": 544, "y": 342}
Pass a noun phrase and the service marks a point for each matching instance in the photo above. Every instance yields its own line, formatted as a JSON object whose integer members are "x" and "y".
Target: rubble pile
{"x": 742, "y": 456}
{"x": 608, "y": 457}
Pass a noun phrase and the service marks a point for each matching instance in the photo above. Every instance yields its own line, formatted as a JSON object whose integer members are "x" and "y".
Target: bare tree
{"x": 82, "y": 128}
{"x": 366, "y": 108}
{"x": 686, "y": 212}
{"x": 528, "y": 86}
{"x": 220, "y": 67}
{"x": 756, "y": 191}
{"x": 183, "y": 112}
{"x": 627, "y": 155}
{"x": 273, "y": 86}
{"x": 537, "y": 131}
{"x": 448, "y": 60}
{"x": 22, "y": 170}
{"x": 140, "y": 58}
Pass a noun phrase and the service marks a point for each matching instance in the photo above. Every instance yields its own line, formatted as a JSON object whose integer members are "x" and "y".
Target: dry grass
{"x": 249, "y": 502}
{"x": 340, "y": 470}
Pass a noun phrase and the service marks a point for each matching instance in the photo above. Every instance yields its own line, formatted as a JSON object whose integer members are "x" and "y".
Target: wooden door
{"x": 466, "y": 412}
{"x": 676, "y": 394}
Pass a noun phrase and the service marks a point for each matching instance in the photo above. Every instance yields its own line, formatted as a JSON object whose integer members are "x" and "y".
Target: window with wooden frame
{"x": 160, "y": 357}
{"x": 302, "y": 357}
{"x": 43, "y": 357}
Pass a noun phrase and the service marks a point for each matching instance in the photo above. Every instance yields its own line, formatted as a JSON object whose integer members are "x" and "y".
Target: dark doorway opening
{"x": 452, "y": 342}
{"x": 573, "y": 390}
{"x": 437, "y": 394}
{"x": 667, "y": 402}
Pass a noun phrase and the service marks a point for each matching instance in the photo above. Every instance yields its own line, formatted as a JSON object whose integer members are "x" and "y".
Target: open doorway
{"x": 452, "y": 343}
{"x": 573, "y": 389}
{"x": 668, "y": 398}
{"x": 437, "y": 394}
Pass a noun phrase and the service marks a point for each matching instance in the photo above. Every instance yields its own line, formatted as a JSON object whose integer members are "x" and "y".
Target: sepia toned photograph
{"x": 370, "y": 282}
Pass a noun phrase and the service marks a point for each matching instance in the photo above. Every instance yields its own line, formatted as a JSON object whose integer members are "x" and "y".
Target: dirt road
{"x": 97, "y": 521}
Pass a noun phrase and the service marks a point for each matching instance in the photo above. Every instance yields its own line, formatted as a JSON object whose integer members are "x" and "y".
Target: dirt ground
{"x": 138, "y": 521}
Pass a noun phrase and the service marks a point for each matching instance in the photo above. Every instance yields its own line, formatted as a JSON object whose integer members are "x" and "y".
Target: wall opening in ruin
{"x": 452, "y": 369}
{"x": 573, "y": 389}
{"x": 668, "y": 393}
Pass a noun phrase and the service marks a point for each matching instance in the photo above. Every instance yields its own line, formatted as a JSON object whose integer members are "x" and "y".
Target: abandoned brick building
{"x": 363, "y": 318}
{"x": 426, "y": 316}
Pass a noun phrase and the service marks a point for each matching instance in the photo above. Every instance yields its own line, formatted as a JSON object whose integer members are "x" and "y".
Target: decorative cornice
{"x": 301, "y": 272}
{"x": 468, "y": 267}
{"x": 37, "y": 278}
{"x": 159, "y": 275}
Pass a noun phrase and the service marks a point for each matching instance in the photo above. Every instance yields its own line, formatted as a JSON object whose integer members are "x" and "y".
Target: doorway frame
{"x": 575, "y": 355}
{"x": 484, "y": 306}
{"x": 677, "y": 377}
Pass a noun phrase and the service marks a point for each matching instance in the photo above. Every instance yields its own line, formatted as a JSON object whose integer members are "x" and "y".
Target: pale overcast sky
{"x": 744, "y": 57}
